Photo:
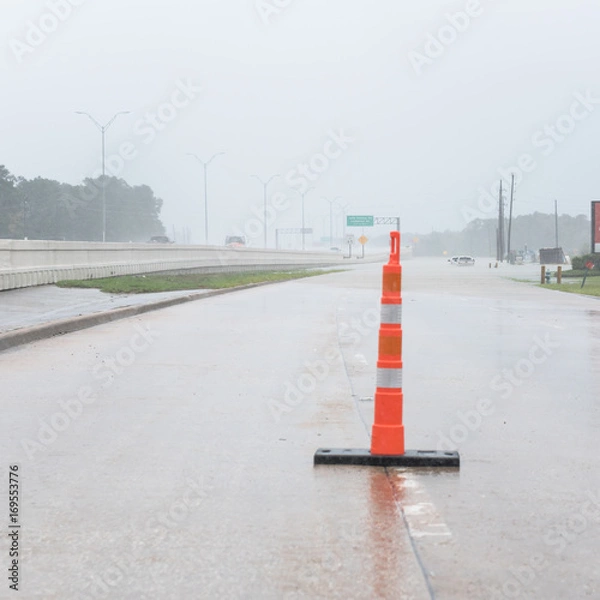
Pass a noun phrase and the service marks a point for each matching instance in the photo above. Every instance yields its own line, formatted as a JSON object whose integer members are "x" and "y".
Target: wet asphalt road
{"x": 183, "y": 467}
{"x": 27, "y": 307}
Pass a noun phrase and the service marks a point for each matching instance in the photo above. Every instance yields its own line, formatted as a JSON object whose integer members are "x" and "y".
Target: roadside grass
{"x": 591, "y": 288}
{"x": 143, "y": 284}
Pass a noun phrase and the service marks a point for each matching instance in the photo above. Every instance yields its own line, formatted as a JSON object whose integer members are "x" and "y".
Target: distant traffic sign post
{"x": 360, "y": 221}
{"x": 363, "y": 239}
{"x": 350, "y": 241}
{"x": 370, "y": 221}
{"x": 388, "y": 221}
{"x": 589, "y": 265}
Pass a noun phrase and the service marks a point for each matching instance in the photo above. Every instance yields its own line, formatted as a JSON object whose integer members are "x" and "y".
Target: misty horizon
{"x": 410, "y": 111}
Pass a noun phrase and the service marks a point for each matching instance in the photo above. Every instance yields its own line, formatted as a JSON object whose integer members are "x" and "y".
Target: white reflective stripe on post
{"x": 389, "y": 378}
{"x": 391, "y": 314}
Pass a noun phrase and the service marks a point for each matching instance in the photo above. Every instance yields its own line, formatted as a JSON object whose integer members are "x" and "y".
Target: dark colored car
{"x": 235, "y": 241}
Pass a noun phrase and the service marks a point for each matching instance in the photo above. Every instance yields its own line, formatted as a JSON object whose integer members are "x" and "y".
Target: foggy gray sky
{"x": 432, "y": 106}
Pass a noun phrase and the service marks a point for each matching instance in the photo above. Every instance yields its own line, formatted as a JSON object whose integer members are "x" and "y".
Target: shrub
{"x": 580, "y": 273}
{"x": 578, "y": 262}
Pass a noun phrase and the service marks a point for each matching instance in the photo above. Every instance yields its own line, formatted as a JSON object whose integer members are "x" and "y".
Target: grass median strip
{"x": 143, "y": 284}
{"x": 591, "y": 288}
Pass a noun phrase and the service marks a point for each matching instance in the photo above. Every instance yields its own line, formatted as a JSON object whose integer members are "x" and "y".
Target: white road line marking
{"x": 361, "y": 359}
{"x": 422, "y": 517}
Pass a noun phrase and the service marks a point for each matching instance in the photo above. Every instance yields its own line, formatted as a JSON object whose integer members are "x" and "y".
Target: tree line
{"x": 44, "y": 209}
{"x": 532, "y": 232}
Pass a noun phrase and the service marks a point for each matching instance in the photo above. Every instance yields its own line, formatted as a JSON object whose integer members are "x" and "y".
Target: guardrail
{"x": 25, "y": 263}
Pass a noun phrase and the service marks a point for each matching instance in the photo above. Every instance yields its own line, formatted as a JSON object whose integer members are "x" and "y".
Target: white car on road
{"x": 462, "y": 260}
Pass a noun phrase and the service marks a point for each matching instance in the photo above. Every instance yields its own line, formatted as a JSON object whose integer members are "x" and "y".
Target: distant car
{"x": 159, "y": 239}
{"x": 465, "y": 261}
{"x": 235, "y": 241}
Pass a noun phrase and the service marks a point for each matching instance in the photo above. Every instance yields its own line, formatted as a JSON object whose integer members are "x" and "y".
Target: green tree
{"x": 46, "y": 209}
{"x": 10, "y": 207}
{"x": 533, "y": 231}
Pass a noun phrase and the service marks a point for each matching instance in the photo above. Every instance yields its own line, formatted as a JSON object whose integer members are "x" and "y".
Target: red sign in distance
{"x": 596, "y": 226}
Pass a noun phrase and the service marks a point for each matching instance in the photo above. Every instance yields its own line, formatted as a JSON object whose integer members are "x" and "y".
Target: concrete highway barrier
{"x": 25, "y": 263}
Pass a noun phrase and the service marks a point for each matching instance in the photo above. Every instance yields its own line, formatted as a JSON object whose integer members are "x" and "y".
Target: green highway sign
{"x": 359, "y": 221}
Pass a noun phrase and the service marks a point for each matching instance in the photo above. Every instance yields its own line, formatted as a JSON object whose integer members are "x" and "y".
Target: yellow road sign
{"x": 363, "y": 239}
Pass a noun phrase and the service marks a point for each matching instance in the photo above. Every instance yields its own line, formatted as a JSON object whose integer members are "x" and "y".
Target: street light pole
{"x": 265, "y": 184}
{"x": 330, "y": 223}
{"x": 205, "y": 165}
{"x": 24, "y": 218}
{"x": 302, "y": 194}
{"x": 103, "y": 129}
{"x": 344, "y": 207}
{"x": 331, "y": 203}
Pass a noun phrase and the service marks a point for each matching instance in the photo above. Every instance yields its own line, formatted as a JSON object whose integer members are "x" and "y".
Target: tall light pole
{"x": 24, "y": 218}
{"x": 304, "y": 194}
{"x": 344, "y": 207}
{"x": 265, "y": 184}
{"x": 205, "y": 165}
{"x": 103, "y": 129}
{"x": 331, "y": 203}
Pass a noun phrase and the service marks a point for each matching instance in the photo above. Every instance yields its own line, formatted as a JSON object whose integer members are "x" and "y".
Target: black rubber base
{"x": 411, "y": 458}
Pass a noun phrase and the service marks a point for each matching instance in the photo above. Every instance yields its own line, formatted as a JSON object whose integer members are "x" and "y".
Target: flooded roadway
{"x": 170, "y": 455}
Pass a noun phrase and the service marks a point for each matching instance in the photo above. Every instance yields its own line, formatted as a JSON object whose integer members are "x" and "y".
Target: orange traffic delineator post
{"x": 387, "y": 439}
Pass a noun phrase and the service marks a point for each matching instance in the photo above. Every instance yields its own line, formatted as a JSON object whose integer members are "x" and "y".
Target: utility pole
{"x": 500, "y": 225}
{"x": 510, "y": 211}
{"x": 556, "y": 223}
{"x": 497, "y": 244}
